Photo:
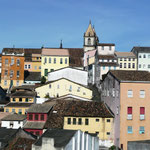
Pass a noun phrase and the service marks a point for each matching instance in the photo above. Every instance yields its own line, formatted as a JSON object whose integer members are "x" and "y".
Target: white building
{"x": 59, "y": 139}
{"x": 13, "y": 121}
{"x": 72, "y": 74}
{"x": 143, "y": 57}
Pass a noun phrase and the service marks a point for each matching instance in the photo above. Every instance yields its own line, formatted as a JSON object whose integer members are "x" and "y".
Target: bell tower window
{"x": 89, "y": 41}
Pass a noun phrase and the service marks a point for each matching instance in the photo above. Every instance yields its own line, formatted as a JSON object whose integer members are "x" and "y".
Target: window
{"x": 114, "y": 67}
{"x": 18, "y": 62}
{"x": 109, "y": 67}
{"x": 29, "y": 66}
{"x": 108, "y": 120}
{"x": 103, "y": 67}
{"x": 148, "y": 66}
{"x": 108, "y": 133}
{"x": 35, "y": 67}
{"x": 17, "y": 83}
{"x": 11, "y": 73}
{"x": 12, "y": 61}
{"x": 50, "y": 60}
{"x": 133, "y": 59}
{"x": 144, "y": 65}
{"x": 129, "y": 65}
{"x": 6, "y": 72}
{"x": 144, "y": 56}
{"x": 139, "y": 65}
{"x": 36, "y": 116}
{"x": 130, "y": 93}
{"x": 46, "y": 72}
{"x": 74, "y": 120}
{"x": 97, "y": 120}
{"x": 14, "y": 100}
{"x": 148, "y": 56}
{"x": 13, "y": 110}
{"x": 110, "y": 48}
{"x": 6, "y": 61}
{"x": 69, "y": 121}
{"x": 5, "y": 82}
{"x": 102, "y": 47}
{"x": 89, "y": 41}
{"x": 120, "y": 65}
{"x": 124, "y": 65}
{"x": 50, "y": 86}
{"x": 142, "y": 113}
{"x": 30, "y": 117}
{"x": 70, "y": 89}
{"x": 25, "y": 67}
{"x": 78, "y": 90}
{"x": 142, "y": 130}
{"x": 86, "y": 121}
{"x": 120, "y": 59}
{"x": 42, "y": 117}
{"x": 133, "y": 65}
{"x": 7, "y": 110}
{"x": 39, "y": 67}
{"x": 17, "y": 73}
{"x": 79, "y": 121}
{"x": 130, "y": 130}
{"x": 26, "y": 99}
{"x": 142, "y": 94}
{"x": 97, "y": 132}
{"x": 20, "y": 111}
{"x": 139, "y": 56}
{"x": 57, "y": 86}
{"x": 51, "y": 70}
{"x": 65, "y": 60}
{"x": 54, "y": 60}
{"x": 129, "y": 113}
{"x": 129, "y": 59}
{"x": 125, "y": 59}
{"x": 45, "y": 60}
{"x": 20, "y": 99}
{"x": 61, "y": 60}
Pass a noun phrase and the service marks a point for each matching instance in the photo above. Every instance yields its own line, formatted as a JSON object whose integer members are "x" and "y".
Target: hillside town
{"x": 89, "y": 98}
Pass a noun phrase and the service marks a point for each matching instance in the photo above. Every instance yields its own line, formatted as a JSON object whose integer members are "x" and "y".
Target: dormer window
{"x": 110, "y": 48}
{"x": 89, "y": 41}
{"x": 102, "y": 47}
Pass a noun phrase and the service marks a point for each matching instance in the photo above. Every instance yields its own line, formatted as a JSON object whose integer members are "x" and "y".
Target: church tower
{"x": 90, "y": 38}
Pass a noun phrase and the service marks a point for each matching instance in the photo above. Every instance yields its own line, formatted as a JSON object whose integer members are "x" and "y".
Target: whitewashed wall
{"x": 75, "y": 75}
{"x": 106, "y": 50}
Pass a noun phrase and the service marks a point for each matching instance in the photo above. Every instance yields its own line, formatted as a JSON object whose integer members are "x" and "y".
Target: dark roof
{"x": 76, "y": 57}
{"x": 106, "y": 44}
{"x": 108, "y": 64}
{"x": 13, "y": 104}
{"x": 32, "y": 76}
{"x": 23, "y": 143}
{"x": 13, "y": 50}
{"x": 3, "y": 102}
{"x": 34, "y": 125}
{"x": 14, "y": 117}
{"x": 75, "y": 109}
{"x": 61, "y": 137}
{"x": 124, "y": 75}
{"x": 26, "y": 87}
{"x": 41, "y": 108}
{"x": 6, "y": 135}
{"x": 24, "y": 93}
{"x": 107, "y": 57}
{"x": 138, "y": 48}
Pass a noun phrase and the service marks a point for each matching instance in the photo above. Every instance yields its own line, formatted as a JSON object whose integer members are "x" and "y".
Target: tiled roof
{"x": 34, "y": 125}
{"x": 13, "y": 50}
{"x": 124, "y": 75}
{"x": 125, "y": 54}
{"x": 40, "y": 108}
{"x": 61, "y": 137}
{"x": 24, "y": 93}
{"x": 106, "y": 44}
{"x": 138, "y": 48}
{"x": 108, "y": 64}
{"x": 26, "y": 87}
{"x": 3, "y": 114}
{"x": 107, "y": 57}
{"x": 32, "y": 76}
{"x": 13, "y": 104}
{"x": 75, "y": 109}
{"x": 14, "y": 117}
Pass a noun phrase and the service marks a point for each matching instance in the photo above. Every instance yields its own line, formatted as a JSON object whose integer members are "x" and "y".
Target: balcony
{"x": 129, "y": 117}
{"x": 142, "y": 117}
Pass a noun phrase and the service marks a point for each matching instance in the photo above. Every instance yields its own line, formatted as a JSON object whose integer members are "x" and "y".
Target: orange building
{"x": 12, "y": 73}
{"x": 127, "y": 94}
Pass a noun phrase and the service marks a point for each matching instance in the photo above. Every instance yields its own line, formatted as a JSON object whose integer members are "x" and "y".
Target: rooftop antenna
{"x": 61, "y": 46}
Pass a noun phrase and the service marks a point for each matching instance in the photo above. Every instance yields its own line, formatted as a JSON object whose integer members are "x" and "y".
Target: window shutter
{"x": 129, "y": 110}
{"x": 142, "y": 110}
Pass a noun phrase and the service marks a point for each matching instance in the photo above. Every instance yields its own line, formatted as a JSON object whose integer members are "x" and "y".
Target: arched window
{"x": 89, "y": 41}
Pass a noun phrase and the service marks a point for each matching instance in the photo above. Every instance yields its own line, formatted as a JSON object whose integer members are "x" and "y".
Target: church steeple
{"x": 90, "y": 31}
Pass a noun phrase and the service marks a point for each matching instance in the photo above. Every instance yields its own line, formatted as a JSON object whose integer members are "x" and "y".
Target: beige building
{"x": 127, "y": 94}
{"x": 126, "y": 60}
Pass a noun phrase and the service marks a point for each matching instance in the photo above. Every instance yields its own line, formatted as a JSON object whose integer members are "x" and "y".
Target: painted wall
{"x": 75, "y": 75}
{"x": 106, "y": 51}
{"x": 51, "y": 65}
{"x": 16, "y": 99}
{"x": 39, "y": 116}
{"x": 135, "y": 102}
{"x": 10, "y": 109}
{"x": 100, "y": 126}
{"x": 13, "y": 124}
{"x": 33, "y": 131}
{"x": 62, "y": 87}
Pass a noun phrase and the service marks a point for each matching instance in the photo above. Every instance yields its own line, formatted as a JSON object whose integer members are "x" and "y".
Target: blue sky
{"x": 33, "y": 23}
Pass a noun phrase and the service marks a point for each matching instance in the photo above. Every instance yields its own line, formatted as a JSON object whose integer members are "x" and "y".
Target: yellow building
{"x": 20, "y": 101}
{"x": 87, "y": 116}
{"x": 126, "y": 60}
{"x": 63, "y": 87}
{"x": 54, "y": 59}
